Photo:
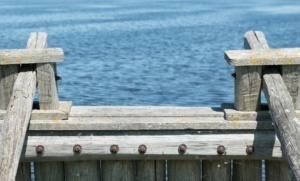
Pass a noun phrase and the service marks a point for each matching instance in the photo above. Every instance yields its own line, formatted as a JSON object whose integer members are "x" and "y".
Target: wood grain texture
{"x": 8, "y": 76}
{"x": 216, "y": 170}
{"x": 283, "y": 56}
{"x": 82, "y": 170}
{"x": 277, "y": 171}
{"x": 291, "y": 78}
{"x": 24, "y": 172}
{"x": 179, "y": 170}
{"x": 117, "y": 170}
{"x": 30, "y": 56}
{"x": 160, "y": 146}
{"x": 247, "y": 170}
{"x": 283, "y": 114}
{"x": 150, "y": 170}
{"x": 49, "y": 171}
{"x": 48, "y": 96}
{"x": 15, "y": 124}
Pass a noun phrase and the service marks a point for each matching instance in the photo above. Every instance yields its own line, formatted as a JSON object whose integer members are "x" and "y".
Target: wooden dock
{"x": 89, "y": 143}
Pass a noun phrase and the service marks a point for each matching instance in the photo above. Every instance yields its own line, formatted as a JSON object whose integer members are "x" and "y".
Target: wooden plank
{"x": 82, "y": 170}
{"x": 287, "y": 125}
{"x": 247, "y": 170}
{"x": 291, "y": 78}
{"x": 16, "y": 122}
{"x": 24, "y": 172}
{"x": 283, "y": 56}
{"x": 277, "y": 170}
{"x": 179, "y": 170}
{"x": 117, "y": 170}
{"x": 62, "y": 113}
{"x": 161, "y": 145}
{"x": 216, "y": 169}
{"x": 48, "y": 96}
{"x": 30, "y": 56}
{"x": 48, "y": 171}
{"x": 145, "y": 111}
{"x": 150, "y": 170}
{"x": 8, "y": 76}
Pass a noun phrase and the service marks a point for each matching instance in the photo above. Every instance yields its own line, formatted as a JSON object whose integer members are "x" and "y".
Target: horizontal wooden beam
{"x": 284, "y": 56}
{"x": 29, "y": 56}
{"x": 199, "y": 146}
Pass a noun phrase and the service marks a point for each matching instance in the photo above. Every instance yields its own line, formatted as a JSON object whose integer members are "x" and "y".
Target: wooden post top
{"x": 29, "y": 56}
{"x": 254, "y": 57}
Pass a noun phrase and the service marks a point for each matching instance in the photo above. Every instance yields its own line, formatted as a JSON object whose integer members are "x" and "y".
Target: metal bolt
{"x": 182, "y": 148}
{"x": 142, "y": 149}
{"x": 39, "y": 149}
{"x": 250, "y": 150}
{"x": 221, "y": 150}
{"x": 77, "y": 148}
{"x": 114, "y": 149}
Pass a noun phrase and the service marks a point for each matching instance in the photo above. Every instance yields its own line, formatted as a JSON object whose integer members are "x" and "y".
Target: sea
{"x": 148, "y": 52}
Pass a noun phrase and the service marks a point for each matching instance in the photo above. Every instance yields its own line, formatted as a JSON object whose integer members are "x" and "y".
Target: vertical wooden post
{"x": 83, "y": 170}
{"x": 277, "y": 171}
{"x": 216, "y": 170}
{"x": 117, "y": 170}
{"x": 47, "y": 88}
{"x": 187, "y": 170}
{"x": 48, "y": 171}
{"x": 24, "y": 172}
{"x": 8, "y": 76}
{"x": 150, "y": 170}
{"x": 247, "y": 170}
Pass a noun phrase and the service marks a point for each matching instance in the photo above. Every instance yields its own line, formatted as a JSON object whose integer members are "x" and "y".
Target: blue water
{"x": 150, "y": 52}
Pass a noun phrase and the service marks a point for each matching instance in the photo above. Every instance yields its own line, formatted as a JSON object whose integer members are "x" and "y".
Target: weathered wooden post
{"x": 281, "y": 104}
{"x": 19, "y": 108}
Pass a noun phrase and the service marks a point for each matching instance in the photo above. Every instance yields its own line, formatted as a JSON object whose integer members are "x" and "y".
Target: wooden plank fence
{"x": 236, "y": 141}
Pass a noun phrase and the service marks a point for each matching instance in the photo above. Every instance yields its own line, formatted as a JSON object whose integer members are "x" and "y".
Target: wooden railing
{"x": 232, "y": 142}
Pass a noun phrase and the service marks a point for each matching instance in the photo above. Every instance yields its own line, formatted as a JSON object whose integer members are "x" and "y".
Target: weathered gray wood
{"x": 49, "y": 171}
{"x": 277, "y": 171}
{"x": 291, "y": 77}
{"x": 179, "y": 170}
{"x": 29, "y": 56}
{"x": 160, "y": 146}
{"x": 247, "y": 170}
{"x": 62, "y": 113}
{"x": 8, "y": 76}
{"x": 216, "y": 170}
{"x": 48, "y": 97}
{"x": 283, "y": 114}
{"x": 15, "y": 124}
{"x": 82, "y": 170}
{"x": 284, "y": 56}
{"x": 24, "y": 172}
{"x": 247, "y": 88}
{"x": 117, "y": 170}
{"x": 148, "y": 170}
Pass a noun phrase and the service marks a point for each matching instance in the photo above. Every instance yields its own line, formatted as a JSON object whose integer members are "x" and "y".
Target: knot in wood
{"x": 182, "y": 148}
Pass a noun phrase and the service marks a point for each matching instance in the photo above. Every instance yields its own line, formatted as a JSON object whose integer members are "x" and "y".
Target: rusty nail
{"x": 39, "y": 149}
{"x": 142, "y": 149}
{"x": 182, "y": 148}
{"x": 250, "y": 150}
{"x": 77, "y": 148}
{"x": 114, "y": 149}
{"x": 221, "y": 150}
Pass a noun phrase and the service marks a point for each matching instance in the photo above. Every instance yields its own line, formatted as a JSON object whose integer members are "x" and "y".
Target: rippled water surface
{"x": 156, "y": 52}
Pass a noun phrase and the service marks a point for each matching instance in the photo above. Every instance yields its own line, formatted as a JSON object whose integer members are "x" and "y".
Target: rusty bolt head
{"x": 182, "y": 148}
{"x": 142, "y": 149}
{"x": 114, "y": 149}
{"x": 77, "y": 148}
{"x": 39, "y": 149}
{"x": 250, "y": 150}
{"x": 221, "y": 150}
